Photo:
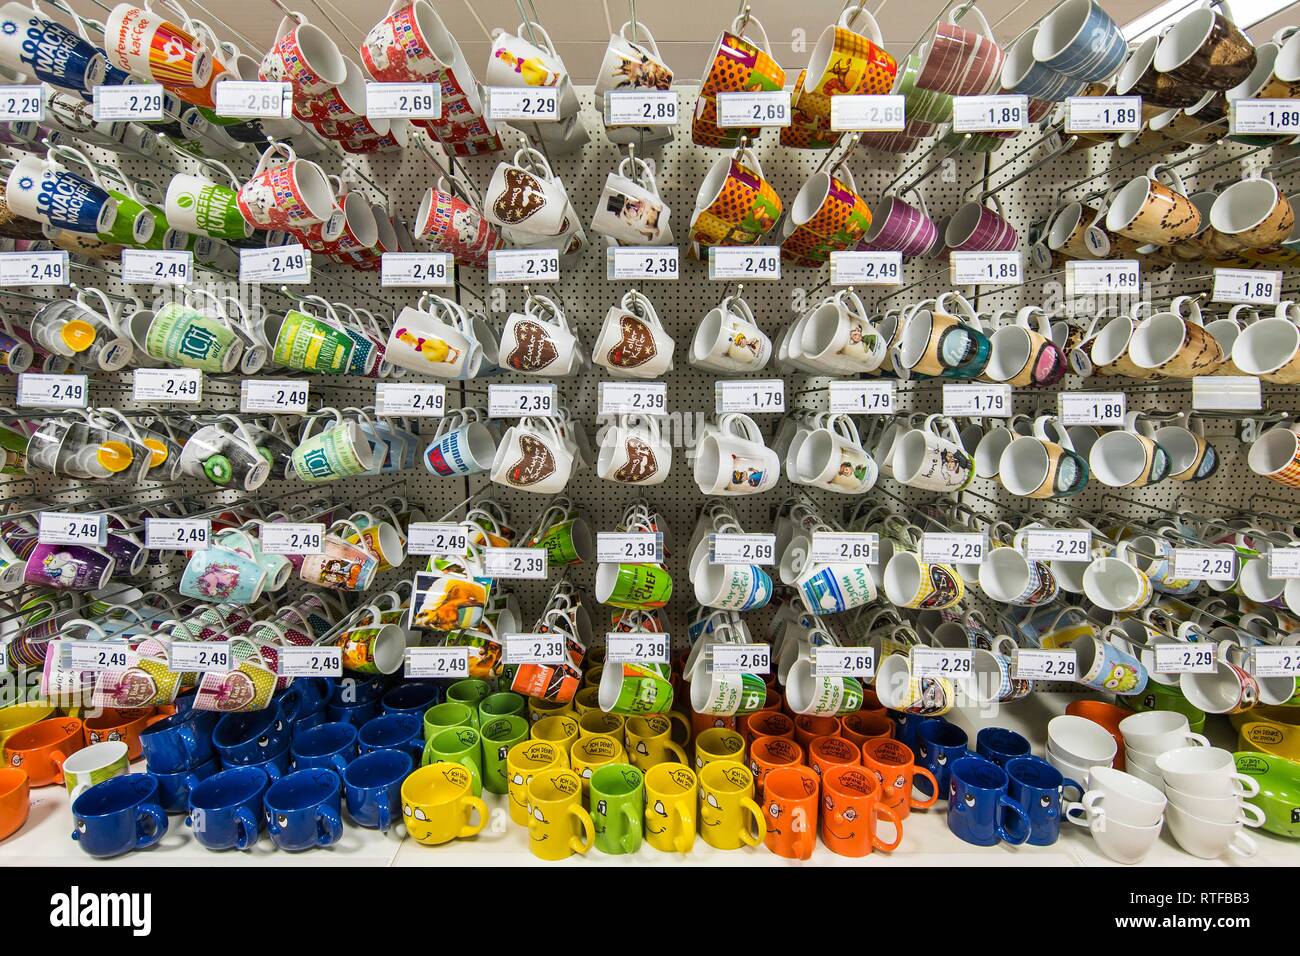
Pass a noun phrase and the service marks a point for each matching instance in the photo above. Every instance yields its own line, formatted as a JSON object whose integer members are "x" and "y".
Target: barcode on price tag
{"x": 868, "y": 113}
{"x": 637, "y": 648}
{"x": 1103, "y": 114}
{"x": 254, "y": 99}
{"x": 534, "y": 104}
{"x": 1284, "y": 563}
{"x": 421, "y": 269}
{"x": 844, "y": 547}
{"x": 1226, "y": 393}
{"x": 1040, "y": 664}
{"x": 34, "y": 268}
{"x": 61, "y": 527}
{"x": 641, "y": 108}
{"x": 177, "y": 534}
{"x": 862, "y": 398}
{"x": 315, "y": 661}
{"x": 1250, "y": 286}
{"x": 38, "y": 390}
{"x": 952, "y": 547}
{"x": 989, "y": 114}
{"x": 1092, "y": 408}
{"x": 290, "y": 264}
{"x": 1269, "y": 661}
{"x": 1058, "y": 544}
{"x": 23, "y": 103}
{"x": 450, "y": 662}
{"x": 546, "y": 648}
{"x": 636, "y": 547}
{"x": 1185, "y": 658}
{"x": 279, "y": 396}
{"x": 283, "y": 537}
{"x": 522, "y": 401}
{"x": 416, "y": 399}
{"x": 1279, "y": 117}
{"x": 167, "y": 385}
{"x": 1103, "y": 277}
{"x": 95, "y": 655}
{"x": 844, "y": 661}
{"x": 157, "y": 266}
{"x": 523, "y": 265}
{"x": 186, "y": 657}
{"x": 437, "y": 538}
{"x": 987, "y": 268}
{"x": 749, "y": 395}
{"x": 977, "y": 401}
{"x": 953, "y": 663}
{"x": 138, "y": 102}
{"x": 641, "y": 262}
{"x": 866, "y": 268}
{"x": 1205, "y": 564}
{"x": 515, "y": 563}
{"x": 633, "y": 398}
{"x": 742, "y": 658}
{"x": 758, "y": 108}
{"x": 735, "y": 548}
{"x": 403, "y": 101}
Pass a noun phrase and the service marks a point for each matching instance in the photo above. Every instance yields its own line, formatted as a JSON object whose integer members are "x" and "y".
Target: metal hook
{"x": 1064, "y": 147}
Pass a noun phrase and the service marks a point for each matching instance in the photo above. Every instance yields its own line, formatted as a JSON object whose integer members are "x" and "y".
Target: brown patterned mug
{"x": 1147, "y": 210}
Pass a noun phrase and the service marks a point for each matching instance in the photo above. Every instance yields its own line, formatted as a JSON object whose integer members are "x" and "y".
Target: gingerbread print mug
{"x": 525, "y": 195}
{"x": 633, "y": 341}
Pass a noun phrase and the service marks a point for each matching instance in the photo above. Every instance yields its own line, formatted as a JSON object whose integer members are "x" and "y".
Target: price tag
{"x": 289, "y": 264}
{"x": 177, "y": 534}
{"x": 1185, "y": 658}
{"x": 62, "y": 527}
{"x": 844, "y": 547}
{"x": 1226, "y": 393}
{"x": 436, "y": 538}
{"x": 1205, "y": 564}
{"x": 1284, "y": 563}
{"x": 283, "y": 537}
{"x": 866, "y": 268}
{"x": 1092, "y": 408}
{"x": 988, "y": 401}
{"x": 522, "y": 401}
{"x": 38, "y": 390}
{"x": 875, "y": 114}
{"x": 33, "y": 268}
{"x": 1251, "y": 286}
{"x": 403, "y": 101}
{"x": 1269, "y": 661}
{"x": 315, "y": 661}
{"x": 532, "y": 103}
{"x": 1103, "y": 114}
{"x": 4, "y": 655}
{"x": 167, "y": 385}
{"x": 751, "y": 263}
{"x": 632, "y": 398}
{"x": 254, "y": 99}
{"x": 416, "y": 269}
{"x": 25, "y": 103}
{"x": 844, "y": 661}
{"x": 451, "y": 662}
{"x": 523, "y": 265}
{"x": 515, "y": 563}
{"x": 987, "y": 268}
{"x": 641, "y": 108}
{"x": 757, "y": 108}
{"x": 1038, "y": 664}
{"x": 641, "y": 262}
{"x": 636, "y": 648}
{"x": 749, "y": 395}
{"x": 141, "y": 102}
{"x": 742, "y": 658}
{"x": 157, "y": 266}
{"x": 185, "y": 657}
{"x": 951, "y": 662}
{"x": 862, "y": 397}
{"x": 990, "y": 114}
{"x": 636, "y": 547}
{"x": 733, "y": 548}
{"x": 1058, "y": 544}
{"x": 1102, "y": 277}
{"x": 546, "y": 648}
{"x": 417, "y": 399}
{"x": 95, "y": 655}
{"x": 950, "y": 547}
{"x": 1281, "y": 117}
{"x": 285, "y": 396}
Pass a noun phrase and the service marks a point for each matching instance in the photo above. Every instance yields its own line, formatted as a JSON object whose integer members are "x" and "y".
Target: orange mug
{"x": 15, "y": 800}
{"x": 775, "y": 699}
{"x": 41, "y": 748}
{"x": 790, "y": 812}
{"x": 827, "y": 752}
{"x": 702, "y": 722}
{"x": 851, "y": 801}
{"x": 124, "y": 724}
{"x": 772, "y": 753}
{"x": 895, "y": 768}
{"x": 808, "y": 726}
{"x": 765, "y": 723}
{"x": 863, "y": 725}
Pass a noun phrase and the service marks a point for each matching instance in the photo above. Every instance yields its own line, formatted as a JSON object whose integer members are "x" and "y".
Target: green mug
{"x": 202, "y": 207}
{"x": 635, "y": 689}
{"x": 497, "y": 736}
{"x": 617, "y": 795}
{"x": 306, "y": 343}
{"x": 447, "y": 715}
{"x": 340, "y": 451}
{"x": 133, "y": 224}
{"x": 633, "y": 586}
{"x": 504, "y": 703}
{"x": 184, "y": 336}
{"x": 458, "y": 745}
{"x": 567, "y": 542}
{"x": 162, "y": 236}
{"x": 469, "y": 692}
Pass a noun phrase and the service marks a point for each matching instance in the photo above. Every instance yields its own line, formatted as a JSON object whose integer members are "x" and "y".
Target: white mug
{"x": 426, "y": 342}
{"x": 729, "y": 339}
{"x": 633, "y": 341}
{"x": 634, "y": 452}
{"x": 629, "y": 208}
{"x": 525, "y": 195}
{"x": 832, "y": 457}
{"x": 836, "y": 336}
{"x": 539, "y": 341}
{"x": 732, "y": 459}
{"x": 924, "y": 458}
{"x": 532, "y": 456}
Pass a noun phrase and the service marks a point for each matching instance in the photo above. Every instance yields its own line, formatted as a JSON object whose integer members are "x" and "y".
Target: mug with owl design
{"x": 634, "y": 452}
{"x": 533, "y": 456}
{"x": 1106, "y": 663}
{"x": 525, "y": 195}
{"x": 633, "y": 342}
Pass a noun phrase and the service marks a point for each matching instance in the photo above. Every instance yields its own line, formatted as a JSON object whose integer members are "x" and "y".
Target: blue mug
{"x": 907, "y": 727}
{"x": 979, "y": 808}
{"x": 1001, "y": 745}
{"x": 404, "y": 732}
{"x": 1106, "y": 667}
{"x": 303, "y": 810}
{"x": 372, "y": 786}
{"x": 467, "y": 450}
{"x": 290, "y": 703}
{"x": 1021, "y": 73}
{"x": 275, "y": 766}
{"x": 1037, "y": 786}
{"x": 178, "y": 742}
{"x": 330, "y": 746}
{"x": 226, "y": 809}
{"x": 354, "y": 700}
{"x": 939, "y": 745}
{"x": 224, "y": 576}
{"x": 1080, "y": 39}
{"x": 174, "y": 788}
{"x": 119, "y": 815}
{"x": 413, "y": 697}
{"x": 54, "y": 53}
{"x": 250, "y": 737}
{"x": 315, "y": 693}
{"x": 53, "y": 196}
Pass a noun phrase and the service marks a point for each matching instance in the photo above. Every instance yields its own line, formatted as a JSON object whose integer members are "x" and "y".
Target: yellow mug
{"x": 561, "y": 730}
{"x": 591, "y": 676}
{"x": 593, "y": 752}
{"x": 1280, "y": 740}
{"x": 554, "y": 805}
{"x": 537, "y": 708}
{"x": 586, "y": 700}
{"x": 670, "y": 797}
{"x": 598, "y": 722}
{"x": 437, "y": 804}
{"x": 727, "y": 807}
{"x": 649, "y": 742}
{"x": 17, "y": 716}
{"x": 524, "y": 760}
{"x": 718, "y": 743}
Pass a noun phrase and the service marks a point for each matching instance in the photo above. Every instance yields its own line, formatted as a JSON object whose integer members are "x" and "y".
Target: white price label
{"x": 633, "y": 398}
{"x": 403, "y": 101}
{"x": 951, "y": 662}
{"x": 548, "y": 648}
{"x": 436, "y": 538}
{"x": 515, "y": 563}
{"x": 253, "y": 99}
{"x": 953, "y": 547}
{"x": 634, "y": 547}
{"x": 749, "y": 263}
{"x": 1226, "y": 393}
{"x": 416, "y": 269}
{"x": 62, "y": 527}
{"x": 1279, "y": 117}
{"x": 450, "y": 662}
{"x": 734, "y": 548}
{"x": 862, "y": 112}
{"x": 866, "y": 268}
{"x": 186, "y": 657}
{"x": 140, "y": 102}
{"x": 167, "y": 385}
{"x": 641, "y": 262}
{"x": 417, "y": 399}
{"x": 284, "y": 537}
{"x": 1185, "y": 658}
{"x": 990, "y": 114}
{"x": 641, "y": 108}
{"x": 758, "y": 108}
{"x": 863, "y": 397}
{"x": 1103, "y": 114}
{"x": 531, "y": 103}
{"x": 1205, "y": 564}
{"x": 749, "y": 395}
{"x": 987, "y": 268}
{"x": 977, "y": 401}
{"x": 1092, "y": 408}
{"x": 844, "y": 547}
{"x": 33, "y": 268}
{"x": 177, "y": 534}
{"x": 38, "y": 390}
{"x": 1058, "y": 544}
{"x": 742, "y": 658}
{"x": 157, "y": 266}
{"x": 1040, "y": 664}
{"x": 1249, "y": 286}
{"x": 4, "y": 655}
{"x": 290, "y": 264}
{"x": 637, "y": 648}
{"x": 1103, "y": 277}
{"x": 523, "y": 265}
{"x": 314, "y": 661}
{"x": 857, "y": 662}
{"x": 522, "y": 401}
{"x": 280, "y": 396}
{"x": 25, "y": 103}
{"x": 1269, "y": 661}
{"x": 95, "y": 655}
{"x": 1284, "y": 563}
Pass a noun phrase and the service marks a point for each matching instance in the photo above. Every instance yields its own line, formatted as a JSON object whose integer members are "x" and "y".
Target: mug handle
{"x": 631, "y": 839}
{"x": 1084, "y": 808}
{"x": 329, "y": 828}
{"x": 1021, "y": 834}
{"x": 152, "y": 813}
{"x": 471, "y": 829}
{"x": 588, "y": 839}
{"x": 246, "y": 828}
{"x": 685, "y": 837}
{"x": 760, "y": 825}
{"x": 1067, "y": 782}
{"x": 677, "y": 752}
{"x": 919, "y": 771}
{"x": 1198, "y": 740}
{"x": 887, "y": 813}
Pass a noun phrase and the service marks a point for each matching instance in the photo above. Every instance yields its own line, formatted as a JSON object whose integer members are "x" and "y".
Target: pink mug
{"x": 304, "y": 56}
{"x": 286, "y": 192}
{"x": 976, "y": 228}
{"x": 962, "y": 61}
{"x": 900, "y": 227}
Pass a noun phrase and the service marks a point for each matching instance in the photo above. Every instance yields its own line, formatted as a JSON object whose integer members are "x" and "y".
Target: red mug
{"x": 286, "y": 192}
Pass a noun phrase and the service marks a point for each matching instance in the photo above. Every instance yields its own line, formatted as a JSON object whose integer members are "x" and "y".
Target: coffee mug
{"x": 437, "y": 805}
{"x": 633, "y": 341}
{"x": 539, "y": 340}
{"x": 732, "y": 459}
{"x": 533, "y": 456}
{"x": 634, "y": 452}
{"x": 119, "y": 815}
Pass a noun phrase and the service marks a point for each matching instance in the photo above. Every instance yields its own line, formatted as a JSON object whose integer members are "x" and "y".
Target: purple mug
{"x": 127, "y": 552}
{"x": 899, "y": 227}
{"x": 976, "y": 228}
{"x": 68, "y": 567}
